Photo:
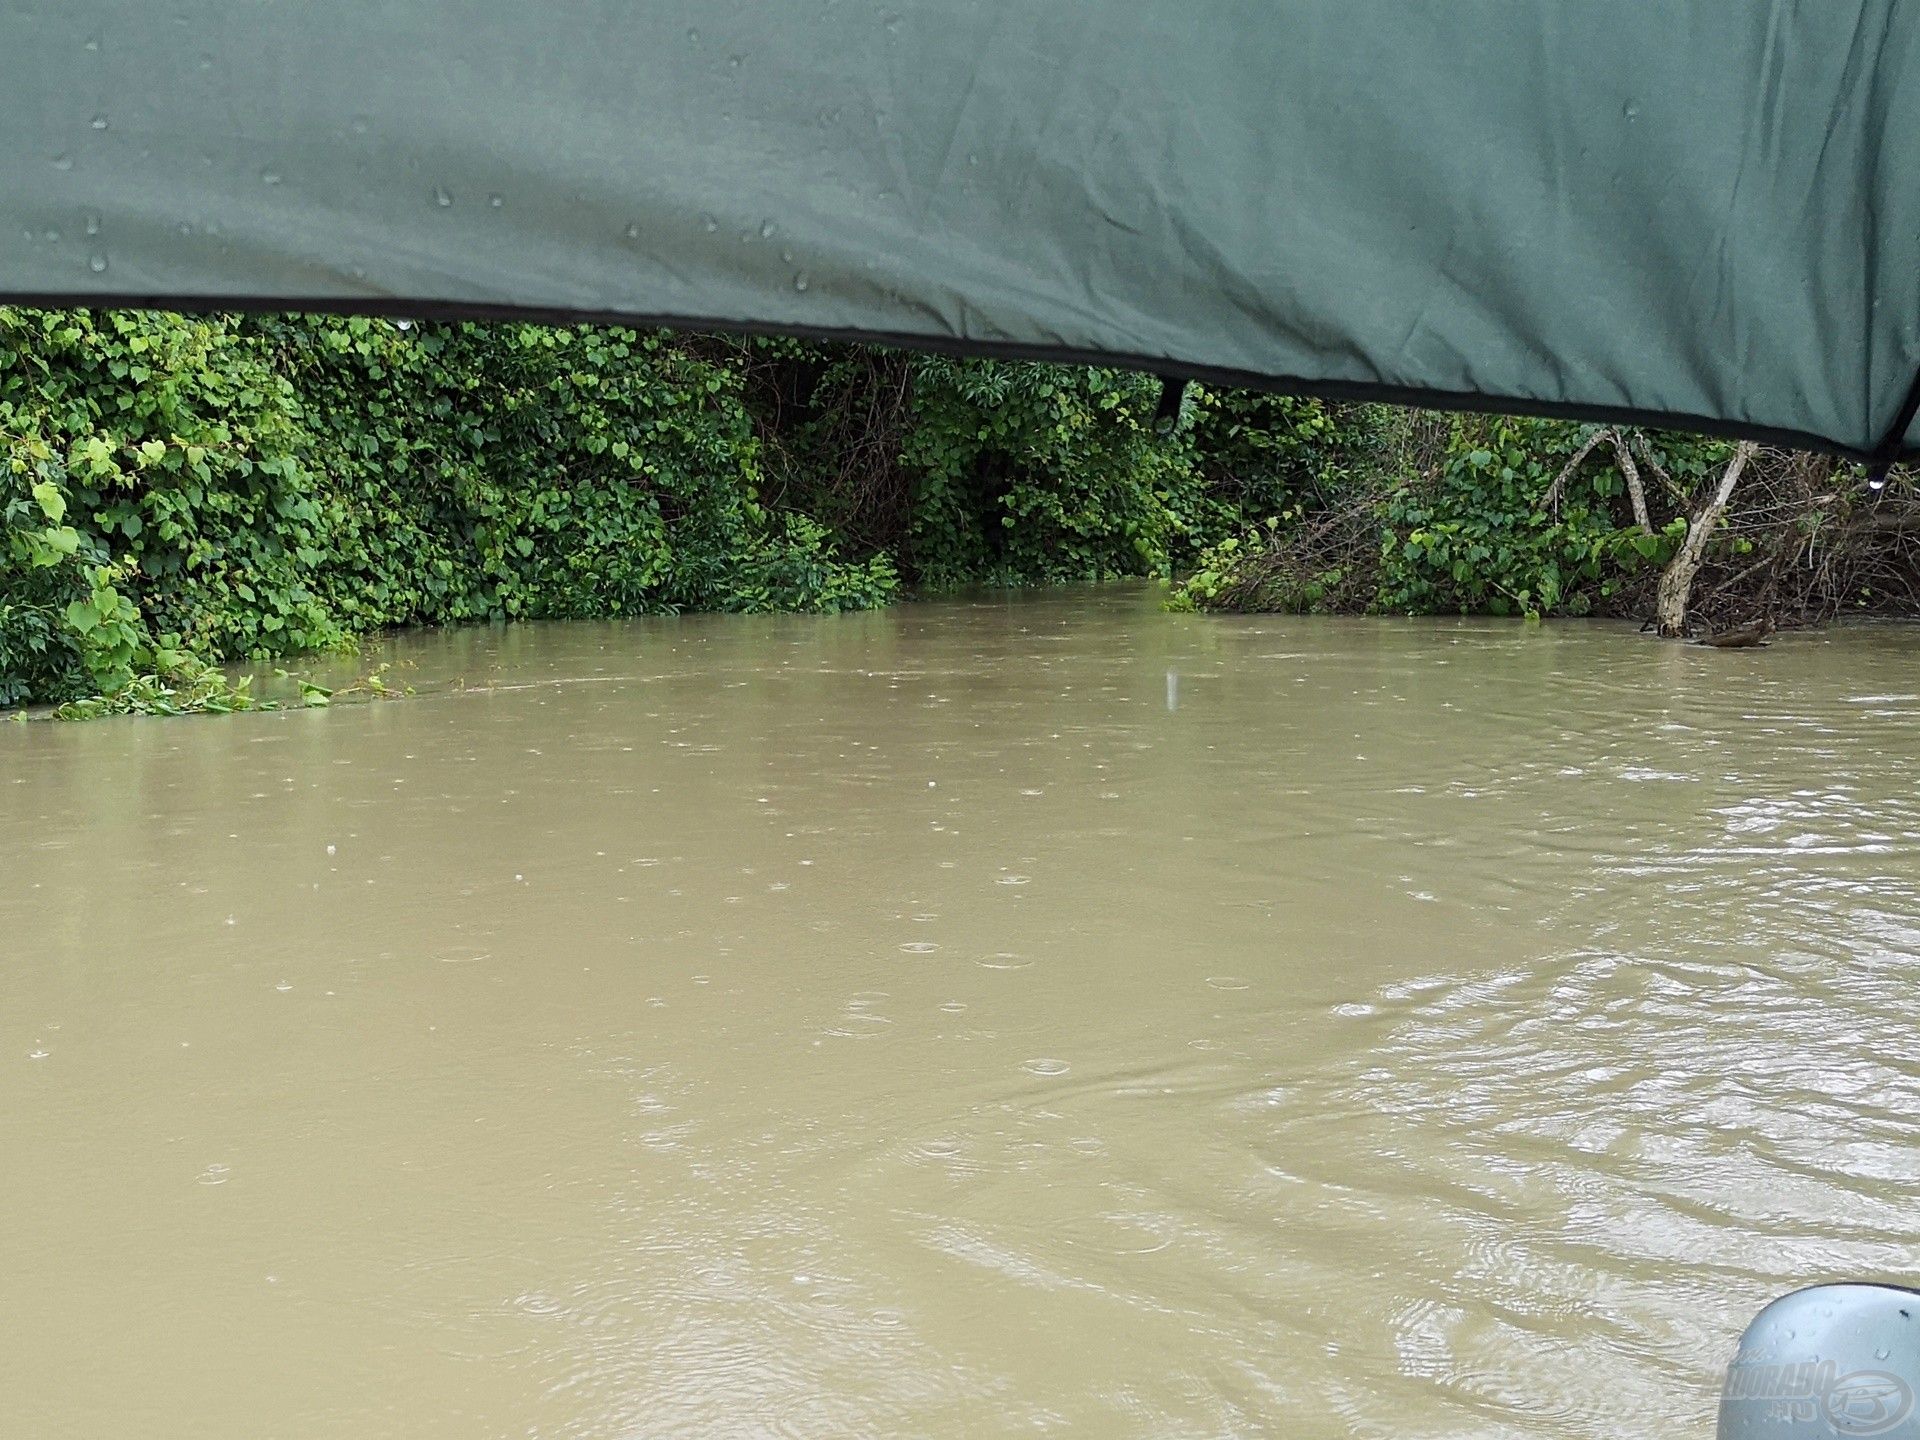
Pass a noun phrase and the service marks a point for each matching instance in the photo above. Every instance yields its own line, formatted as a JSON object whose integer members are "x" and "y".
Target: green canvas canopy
{"x": 1702, "y": 214}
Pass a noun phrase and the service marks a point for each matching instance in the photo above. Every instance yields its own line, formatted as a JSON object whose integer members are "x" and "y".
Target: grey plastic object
{"x": 1835, "y": 1360}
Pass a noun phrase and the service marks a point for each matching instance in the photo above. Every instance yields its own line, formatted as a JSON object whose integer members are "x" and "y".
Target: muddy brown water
{"x": 987, "y": 1017}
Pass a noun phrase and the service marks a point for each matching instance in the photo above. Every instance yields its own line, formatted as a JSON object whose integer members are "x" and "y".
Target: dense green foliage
{"x": 1467, "y": 514}
{"x": 972, "y": 471}
{"x": 1473, "y": 536}
{"x": 178, "y": 491}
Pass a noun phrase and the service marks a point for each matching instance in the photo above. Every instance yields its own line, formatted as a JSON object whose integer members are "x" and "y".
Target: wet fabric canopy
{"x": 1697, "y": 213}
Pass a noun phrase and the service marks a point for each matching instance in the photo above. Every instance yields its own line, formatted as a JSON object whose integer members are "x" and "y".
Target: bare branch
{"x": 1652, "y": 457}
{"x": 1635, "y": 492}
{"x": 1552, "y": 498}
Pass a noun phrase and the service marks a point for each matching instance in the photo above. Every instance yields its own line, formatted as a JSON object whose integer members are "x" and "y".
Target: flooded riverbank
{"x": 978, "y": 1017}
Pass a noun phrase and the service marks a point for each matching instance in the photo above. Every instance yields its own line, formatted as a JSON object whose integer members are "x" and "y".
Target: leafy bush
{"x": 1034, "y": 474}
{"x": 1464, "y": 514}
{"x": 1474, "y": 537}
{"x": 540, "y": 472}
{"x": 207, "y": 489}
{"x": 979, "y": 470}
{"x": 179, "y": 492}
{"x": 1260, "y": 457}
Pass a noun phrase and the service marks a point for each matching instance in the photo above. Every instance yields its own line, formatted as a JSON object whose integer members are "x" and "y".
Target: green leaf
{"x": 52, "y": 503}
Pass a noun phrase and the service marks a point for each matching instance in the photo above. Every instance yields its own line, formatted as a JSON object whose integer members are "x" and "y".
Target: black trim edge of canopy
{"x": 1166, "y": 369}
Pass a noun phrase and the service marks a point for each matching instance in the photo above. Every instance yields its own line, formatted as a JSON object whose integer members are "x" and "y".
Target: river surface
{"x": 987, "y": 1017}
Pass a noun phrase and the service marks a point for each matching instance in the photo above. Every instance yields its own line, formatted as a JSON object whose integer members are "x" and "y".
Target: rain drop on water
{"x": 97, "y": 264}
{"x": 63, "y": 162}
{"x": 99, "y": 122}
{"x": 269, "y": 177}
{"x": 800, "y": 282}
{"x": 441, "y": 197}
{"x": 495, "y": 201}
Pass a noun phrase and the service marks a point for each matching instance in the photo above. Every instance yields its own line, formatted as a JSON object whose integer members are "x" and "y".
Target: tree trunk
{"x": 1636, "y": 492}
{"x": 1676, "y": 582}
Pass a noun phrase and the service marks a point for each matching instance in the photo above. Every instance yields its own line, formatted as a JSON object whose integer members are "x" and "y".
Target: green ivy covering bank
{"x": 179, "y": 491}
